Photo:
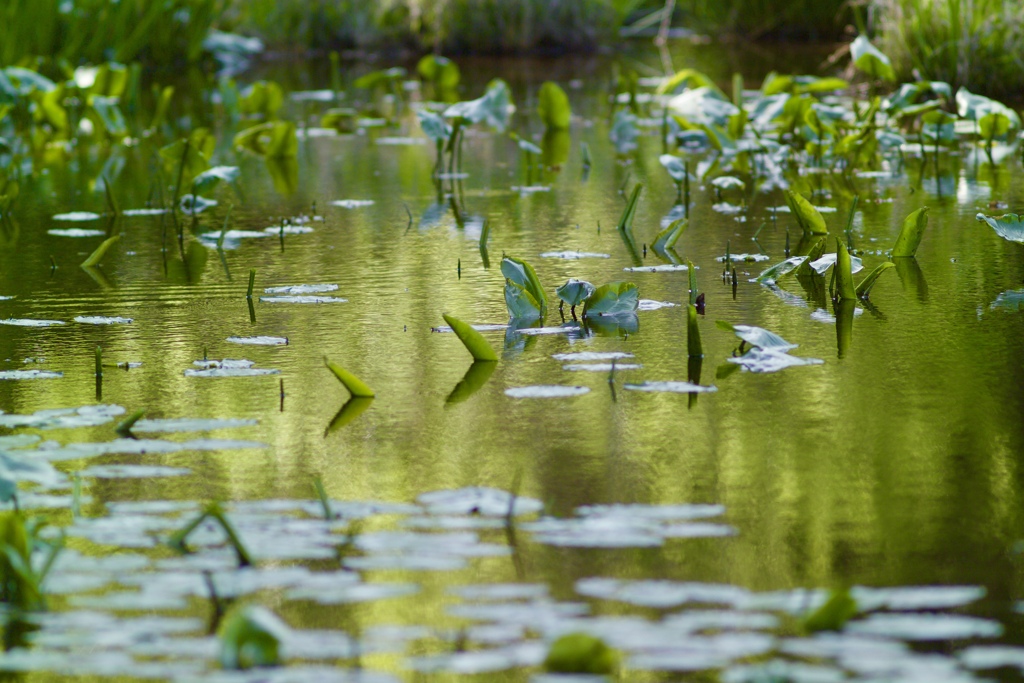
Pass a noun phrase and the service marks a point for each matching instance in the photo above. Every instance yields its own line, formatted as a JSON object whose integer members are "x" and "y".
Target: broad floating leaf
{"x": 1009, "y": 226}
{"x": 522, "y": 274}
{"x": 910, "y": 235}
{"x": 758, "y": 336}
{"x": 613, "y": 298}
{"x": 770, "y": 360}
{"x": 575, "y": 292}
{"x": 471, "y": 339}
{"x": 355, "y": 385}
{"x": 208, "y": 179}
{"x": 675, "y": 167}
{"x": 779, "y": 269}
{"x": 869, "y": 59}
{"x": 259, "y": 341}
{"x": 553, "y": 106}
{"x": 807, "y": 216}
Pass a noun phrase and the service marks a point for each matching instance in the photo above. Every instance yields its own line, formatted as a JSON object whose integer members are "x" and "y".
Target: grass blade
{"x": 626, "y": 220}
{"x": 864, "y": 288}
{"x": 101, "y": 251}
{"x": 471, "y": 339}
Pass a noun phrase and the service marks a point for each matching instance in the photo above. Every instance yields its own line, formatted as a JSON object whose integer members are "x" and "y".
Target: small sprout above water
{"x": 355, "y": 386}
{"x": 124, "y": 427}
{"x": 614, "y": 298}
{"x": 693, "y": 344}
{"x": 575, "y": 292}
{"x": 215, "y": 512}
{"x": 101, "y": 251}
{"x": 21, "y": 581}
{"x": 807, "y": 216}
{"x": 251, "y": 637}
{"x": 833, "y": 614}
{"x": 845, "y": 289}
{"x": 553, "y": 106}
{"x": 581, "y": 653}
{"x": 864, "y": 288}
{"x": 471, "y": 339}
{"x": 910, "y": 235}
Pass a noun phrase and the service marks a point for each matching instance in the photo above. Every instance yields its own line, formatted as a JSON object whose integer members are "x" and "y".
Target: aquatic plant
{"x": 1009, "y": 226}
{"x": 574, "y": 292}
{"x": 614, "y": 298}
{"x": 96, "y": 256}
{"x": 694, "y": 348}
{"x": 524, "y": 295}
{"x": 355, "y": 386}
{"x": 471, "y": 339}
{"x": 213, "y": 511}
{"x": 553, "y": 106}
{"x": 911, "y": 233}
{"x": 250, "y": 636}
{"x": 581, "y": 653}
{"x": 833, "y": 614}
{"x": 21, "y": 580}
{"x": 869, "y": 59}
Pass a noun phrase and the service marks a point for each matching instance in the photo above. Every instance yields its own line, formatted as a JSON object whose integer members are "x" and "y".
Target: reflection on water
{"x": 895, "y": 462}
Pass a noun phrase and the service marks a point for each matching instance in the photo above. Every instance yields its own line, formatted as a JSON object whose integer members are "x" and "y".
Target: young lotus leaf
{"x": 780, "y": 269}
{"x": 262, "y": 98}
{"x": 440, "y": 71}
{"x": 473, "y": 340}
{"x": 757, "y": 336}
{"x": 355, "y": 385}
{"x": 522, "y": 273}
{"x": 728, "y": 182}
{"x": 493, "y": 108}
{"x": 624, "y": 131}
{"x": 910, "y": 235}
{"x": 688, "y": 78}
{"x": 977, "y": 107}
{"x": 613, "y": 298}
{"x": 521, "y": 304}
{"x": 274, "y": 140}
{"x": 251, "y": 637}
{"x": 675, "y": 167}
{"x": 575, "y": 292}
{"x": 374, "y": 78}
{"x": 703, "y": 106}
{"x": 208, "y": 179}
{"x": 864, "y": 288}
{"x": 553, "y": 106}
{"x": 871, "y": 60}
{"x": 434, "y": 126}
{"x": 1009, "y": 227}
{"x": 188, "y": 162}
{"x": 667, "y": 238}
{"x": 581, "y": 653}
{"x": 808, "y": 217}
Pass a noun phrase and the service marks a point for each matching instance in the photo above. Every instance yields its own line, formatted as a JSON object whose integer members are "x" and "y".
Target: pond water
{"x": 688, "y": 530}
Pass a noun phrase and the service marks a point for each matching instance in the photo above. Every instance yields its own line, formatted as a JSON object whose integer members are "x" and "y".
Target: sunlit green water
{"x": 894, "y": 464}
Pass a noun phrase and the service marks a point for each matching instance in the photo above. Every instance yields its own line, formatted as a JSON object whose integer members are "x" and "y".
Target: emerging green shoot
{"x": 693, "y": 344}
{"x": 212, "y": 511}
{"x": 626, "y": 220}
{"x": 252, "y": 282}
{"x": 251, "y": 637}
{"x": 807, "y": 217}
{"x": 124, "y": 427}
{"x": 325, "y": 501}
{"x": 864, "y": 288}
{"x": 553, "y": 106}
{"x": 911, "y": 233}
{"x": 844, "y": 273}
{"x": 833, "y": 614}
{"x": 667, "y": 238}
{"x": 20, "y": 580}
{"x": 101, "y": 251}
{"x": 691, "y": 276}
{"x": 471, "y": 339}
{"x": 355, "y": 386}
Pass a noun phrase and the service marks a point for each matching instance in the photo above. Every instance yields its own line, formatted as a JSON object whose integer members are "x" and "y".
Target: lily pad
{"x": 546, "y": 391}
{"x": 30, "y": 374}
{"x": 601, "y": 367}
{"x": 26, "y": 322}
{"x": 763, "y": 360}
{"x": 102, "y": 320}
{"x": 75, "y": 232}
{"x": 1009, "y": 227}
{"x": 308, "y": 299}
{"x": 671, "y": 387}
{"x": 77, "y": 216}
{"x": 301, "y": 289}
{"x": 259, "y": 341}
{"x": 352, "y": 203}
{"x": 587, "y": 356}
{"x": 573, "y": 255}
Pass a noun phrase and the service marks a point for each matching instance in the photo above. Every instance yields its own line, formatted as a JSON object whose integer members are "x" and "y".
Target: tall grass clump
{"x": 975, "y": 43}
{"x": 795, "y": 19}
{"x": 163, "y": 32}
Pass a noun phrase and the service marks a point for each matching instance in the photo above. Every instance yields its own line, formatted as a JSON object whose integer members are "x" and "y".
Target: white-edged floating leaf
{"x": 663, "y": 268}
{"x": 762, "y": 338}
{"x": 761, "y": 360}
{"x": 77, "y": 216}
{"x": 600, "y": 367}
{"x": 575, "y": 292}
{"x": 308, "y": 299}
{"x": 992, "y": 657}
{"x": 651, "y": 305}
{"x": 501, "y": 592}
{"x": 144, "y": 212}
{"x": 227, "y": 364}
{"x": 194, "y": 204}
{"x": 568, "y": 328}
{"x": 232, "y": 372}
{"x": 908, "y": 598}
{"x": 595, "y": 532}
{"x": 331, "y": 589}
{"x": 30, "y": 374}
{"x": 665, "y": 594}
{"x": 916, "y": 627}
{"x": 352, "y": 203}
{"x": 743, "y": 258}
{"x": 822, "y": 315}
{"x": 64, "y": 418}
{"x": 400, "y": 141}
{"x": 652, "y": 512}
{"x": 771, "y": 275}
{"x": 782, "y": 670}
{"x": 671, "y": 387}
{"x": 191, "y": 424}
{"x": 546, "y": 391}
{"x": 73, "y": 451}
{"x": 728, "y": 182}
{"x": 586, "y": 356}
{"x": 102, "y": 320}
{"x": 75, "y": 232}
{"x": 132, "y": 471}
{"x": 829, "y": 260}
{"x": 259, "y": 341}
{"x": 6, "y": 298}
{"x": 573, "y": 255}
{"x": 287, "y": 230}
{"x": 727, "y": 208}
{"x": 26, "y": 322}
{"x": 477, "y": 500}
{"x": 301, "y": 289}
